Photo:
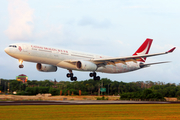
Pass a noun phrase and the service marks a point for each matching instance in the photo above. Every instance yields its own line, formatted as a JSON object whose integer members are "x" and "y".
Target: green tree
{"x": 178, "y": 93}
{"x": 15, "y": 85}
{"x": 54, "y": 91}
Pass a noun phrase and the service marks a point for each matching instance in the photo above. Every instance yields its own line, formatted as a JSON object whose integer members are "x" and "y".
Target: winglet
{"x": 171, "y": 50}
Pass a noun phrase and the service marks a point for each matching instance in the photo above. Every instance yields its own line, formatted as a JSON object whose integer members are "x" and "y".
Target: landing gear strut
{"x": 94, "y": 76}
{"x": 21, "y": 65}
{"x": 70, "y": 75}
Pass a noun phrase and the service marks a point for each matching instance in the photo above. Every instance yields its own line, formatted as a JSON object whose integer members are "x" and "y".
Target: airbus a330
{"x": 48, "y": 59}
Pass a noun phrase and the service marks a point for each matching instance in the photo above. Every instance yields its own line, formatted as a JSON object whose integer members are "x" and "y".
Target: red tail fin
{"x": 144, "y": 49}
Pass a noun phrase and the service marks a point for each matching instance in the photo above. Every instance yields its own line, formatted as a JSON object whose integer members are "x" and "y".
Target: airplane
{"x": 49, "y": 58}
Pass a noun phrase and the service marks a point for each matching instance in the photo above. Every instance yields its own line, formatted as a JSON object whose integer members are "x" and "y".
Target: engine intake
{"x": 86, "y": 66}
{"x": 46, "y": 68}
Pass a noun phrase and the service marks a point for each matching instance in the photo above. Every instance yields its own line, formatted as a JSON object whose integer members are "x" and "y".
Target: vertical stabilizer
{"x": 144, "y": 49}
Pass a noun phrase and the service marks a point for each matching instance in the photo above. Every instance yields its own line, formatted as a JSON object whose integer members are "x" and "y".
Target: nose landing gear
{"x": 21, "y": 65}
{"x": 94, "y": 76}
{"x": 70, "y": 75}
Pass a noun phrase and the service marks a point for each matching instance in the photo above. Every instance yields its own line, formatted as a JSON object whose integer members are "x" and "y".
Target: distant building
{"x": 23, "y": 78}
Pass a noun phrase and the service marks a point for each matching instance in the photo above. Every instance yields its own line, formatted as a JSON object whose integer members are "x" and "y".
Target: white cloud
{"x": 120, "y": 42}
{"x": 96, "y": 24}
{"x": 20, "y": 20}
{"x": 163, "y": 47}
{"x": 135, "y": 7}
{"x": 60, "y": 6}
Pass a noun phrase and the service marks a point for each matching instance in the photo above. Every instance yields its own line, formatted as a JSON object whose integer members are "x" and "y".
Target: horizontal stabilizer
{"x": 149, "y": 64}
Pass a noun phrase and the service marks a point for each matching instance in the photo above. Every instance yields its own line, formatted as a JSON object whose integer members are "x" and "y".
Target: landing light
{"x": 20, "y": 61}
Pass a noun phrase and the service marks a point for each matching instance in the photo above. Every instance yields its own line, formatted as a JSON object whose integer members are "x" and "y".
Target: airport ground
{"x": 47, "y": 97}
{"x": 91, "y": 112}
{"x": 46, "y": 107}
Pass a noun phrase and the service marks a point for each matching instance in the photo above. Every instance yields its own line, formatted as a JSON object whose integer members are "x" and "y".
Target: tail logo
{"x": 144, "y": 49}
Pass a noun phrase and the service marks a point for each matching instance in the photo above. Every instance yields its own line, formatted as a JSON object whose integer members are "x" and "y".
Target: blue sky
{"x": 113, "y": 28}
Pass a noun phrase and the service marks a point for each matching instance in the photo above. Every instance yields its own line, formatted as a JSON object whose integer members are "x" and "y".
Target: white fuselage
{"x": 59, "y": 57}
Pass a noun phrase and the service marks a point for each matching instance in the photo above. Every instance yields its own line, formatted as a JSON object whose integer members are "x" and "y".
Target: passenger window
{"x": 13, "y": 46}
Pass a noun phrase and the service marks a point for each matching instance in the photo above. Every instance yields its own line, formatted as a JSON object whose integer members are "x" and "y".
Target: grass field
{"x": 91, "y": 112}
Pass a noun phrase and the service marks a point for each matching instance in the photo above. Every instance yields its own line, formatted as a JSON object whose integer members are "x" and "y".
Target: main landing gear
{"x": 21, "y": 65}
{"x": 70, "y": 74}
{"x": 72, "y": 78}
{"x": 94, "y": 76}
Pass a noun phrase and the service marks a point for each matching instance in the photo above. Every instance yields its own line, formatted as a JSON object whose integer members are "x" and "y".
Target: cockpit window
{"x": 13, "y": 46}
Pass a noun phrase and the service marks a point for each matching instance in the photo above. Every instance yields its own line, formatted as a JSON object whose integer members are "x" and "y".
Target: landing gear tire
{"x": 94, "y": 76}
{"x": 73, "y": 78}
{"x": 97, "y": 78}
{"x": 91, "y": 74}
{"x": 69, "y": 75}
{"x": 21, "y": 66}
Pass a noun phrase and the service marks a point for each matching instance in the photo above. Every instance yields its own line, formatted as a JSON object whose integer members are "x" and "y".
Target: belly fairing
{"x": 119, "y": 68}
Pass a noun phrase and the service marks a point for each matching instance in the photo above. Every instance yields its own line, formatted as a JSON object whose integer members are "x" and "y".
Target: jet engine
{"x": 46, "y": 68}
{"x": 86, "y": 66}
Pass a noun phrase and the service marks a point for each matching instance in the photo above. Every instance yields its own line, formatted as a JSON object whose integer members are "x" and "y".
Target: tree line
{"x": 131, "y": 90}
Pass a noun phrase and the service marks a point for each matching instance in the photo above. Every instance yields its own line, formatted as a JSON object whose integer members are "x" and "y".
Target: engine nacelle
{"x": 86, "y": 66}
{"x": 46, "y": 68}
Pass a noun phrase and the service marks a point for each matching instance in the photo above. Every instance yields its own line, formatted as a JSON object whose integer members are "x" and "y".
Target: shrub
{"x": 54, "y": 91}
{"x": 30, "y": 91}
{"x": 178, "y": 97}
{"x": 128, "y": 96}
{"x": 102, "y": 98}
{"x": 43, "y": 90}
{"x": 158, "y": 96}
{"x": 22, "y": 93}
{"x": 145, "y": 95}
{"x": 75, "y": 92}
{"x": 84, "y": 93}
{"x": 178, "y": 93}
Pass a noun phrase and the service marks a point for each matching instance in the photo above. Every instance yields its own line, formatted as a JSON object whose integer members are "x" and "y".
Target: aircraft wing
{"x": 135, "y": 58}
{"x": 114, "y": 60}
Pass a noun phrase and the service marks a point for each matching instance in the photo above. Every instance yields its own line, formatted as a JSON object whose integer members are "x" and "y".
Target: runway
{"x": 79, "y": 102}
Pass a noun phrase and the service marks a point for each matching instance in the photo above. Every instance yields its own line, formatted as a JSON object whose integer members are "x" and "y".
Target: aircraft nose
{"x": 6, "y": 50}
